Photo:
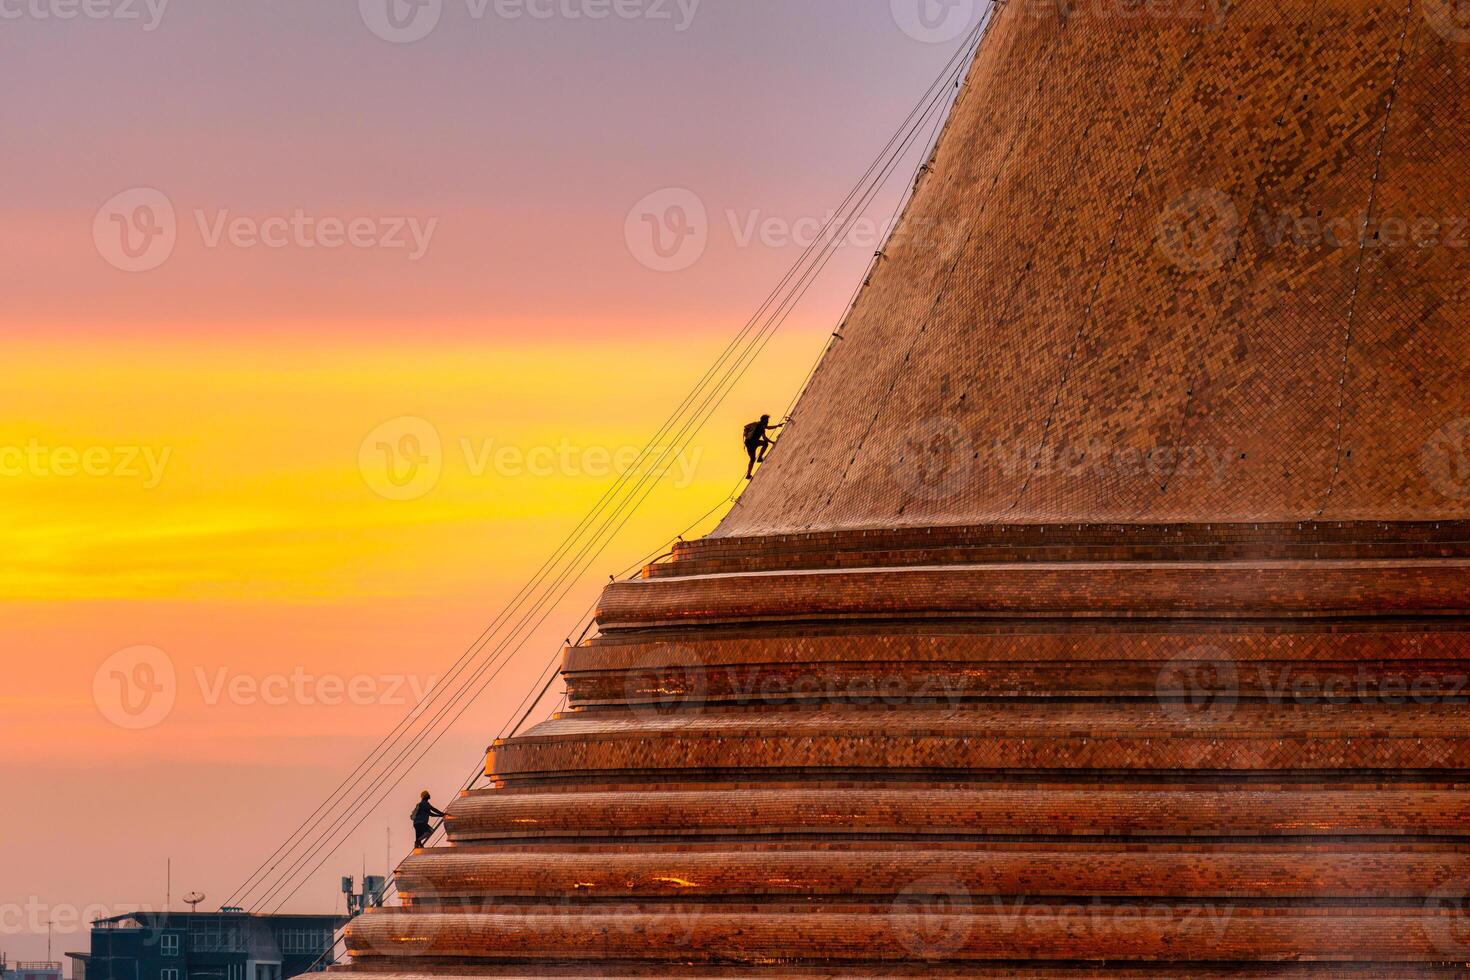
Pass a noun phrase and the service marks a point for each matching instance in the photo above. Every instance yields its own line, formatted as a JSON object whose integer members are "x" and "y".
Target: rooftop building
{"x": 207, "y": 946}
{"x": 29, "y": 970}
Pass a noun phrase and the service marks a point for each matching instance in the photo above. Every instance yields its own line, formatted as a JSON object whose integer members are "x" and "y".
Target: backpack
{"x": 754, "y": 431}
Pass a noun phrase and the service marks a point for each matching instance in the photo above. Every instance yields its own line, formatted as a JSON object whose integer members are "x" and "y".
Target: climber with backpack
{"x": 758, "y": 442}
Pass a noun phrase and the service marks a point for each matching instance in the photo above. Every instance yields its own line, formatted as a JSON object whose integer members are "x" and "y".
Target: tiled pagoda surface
{"x": 1104, "y": 611}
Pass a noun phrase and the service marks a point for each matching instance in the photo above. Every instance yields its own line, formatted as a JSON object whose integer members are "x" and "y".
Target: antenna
{"x": 193, "y": 899}
{"x": 168, "y": 888}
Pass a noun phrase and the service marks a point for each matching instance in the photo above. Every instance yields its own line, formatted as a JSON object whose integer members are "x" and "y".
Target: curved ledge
{"x": 1198, "y": 871}
{"x": 1217, "y": 812}
{"x": 1225, "y": 590}
{"x": 1143, "y": 736}
{"x": 892, "y": 645}
{"x": 1172, "y": 932}
{"x": 1016, "y": 543}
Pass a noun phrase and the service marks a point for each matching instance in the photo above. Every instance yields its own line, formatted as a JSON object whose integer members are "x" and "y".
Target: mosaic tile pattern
{"x": 1136, "y": 284}
{"x": 702, "y": 816}
{"x": 748, "y": 936}
{"x": 1182, "y": 689}
{"x": 1276, "y": 772}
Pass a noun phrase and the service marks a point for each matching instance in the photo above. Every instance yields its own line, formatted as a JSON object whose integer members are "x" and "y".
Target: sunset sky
{"x": 249, "y": 244}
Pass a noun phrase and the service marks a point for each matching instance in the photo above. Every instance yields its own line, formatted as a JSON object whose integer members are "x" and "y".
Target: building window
{"x": 168, "y": 975}
{"x": 170, "y": 944}
{"x": 216, "y": 936}
{"x": 304, "y": 941}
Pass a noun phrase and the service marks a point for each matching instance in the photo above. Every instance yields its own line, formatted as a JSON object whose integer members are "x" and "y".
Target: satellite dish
{"x": 193, "y": 899}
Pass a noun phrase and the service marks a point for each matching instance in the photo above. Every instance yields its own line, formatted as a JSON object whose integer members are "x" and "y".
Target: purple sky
{"x": 527, "y": 140}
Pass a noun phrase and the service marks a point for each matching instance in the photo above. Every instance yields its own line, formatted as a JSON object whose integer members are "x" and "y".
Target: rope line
{"x": 934, "y": 105}
{"x": 777, "y": 317}
{"x": 662, "y": 551}
{"x": 358, "y": 774}
{"x": 901, "y": 366}
{"x": 893, "y": 221}
{"x": 1352, "y": 313}
{"x": 727, "y": 369}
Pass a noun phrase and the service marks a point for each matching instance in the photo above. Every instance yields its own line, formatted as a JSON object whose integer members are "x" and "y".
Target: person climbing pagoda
{"x": 425, "y": 812}
{"x": 758, "y": 442}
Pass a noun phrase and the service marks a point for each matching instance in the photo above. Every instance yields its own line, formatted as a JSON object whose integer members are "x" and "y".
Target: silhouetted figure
{"x": 422, "y": 815}
{"x": 758, "y": 443}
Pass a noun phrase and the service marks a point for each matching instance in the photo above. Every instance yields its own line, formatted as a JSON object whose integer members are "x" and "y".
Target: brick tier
{"x": 880, "y": 770}
{"x": 1103, "y": 611}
